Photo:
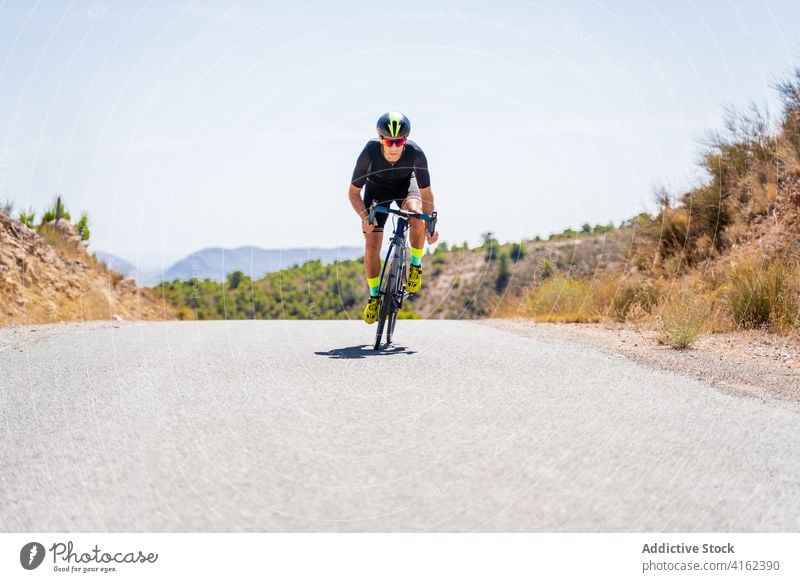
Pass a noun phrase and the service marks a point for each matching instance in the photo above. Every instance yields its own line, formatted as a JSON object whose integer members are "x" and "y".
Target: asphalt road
{"x": 300, "y": 426}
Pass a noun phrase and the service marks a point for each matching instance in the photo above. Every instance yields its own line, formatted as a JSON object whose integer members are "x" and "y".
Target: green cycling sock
{"x": 374, "y": 286}
{"x": 416, "y": 257}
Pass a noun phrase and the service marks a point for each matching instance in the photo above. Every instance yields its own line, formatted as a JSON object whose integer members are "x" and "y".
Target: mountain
{"x": 216, "y": 263}
{"x": 117, "y": 264}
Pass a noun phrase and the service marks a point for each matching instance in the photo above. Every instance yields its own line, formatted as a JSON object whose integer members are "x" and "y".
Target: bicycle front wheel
{"x": 399, "y": 284}
{"x": 387, "y": 285}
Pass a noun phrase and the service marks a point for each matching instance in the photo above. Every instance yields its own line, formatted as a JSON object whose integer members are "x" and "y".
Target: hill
{"x": 217, "y": 263}
{"x": 48, "y": 276}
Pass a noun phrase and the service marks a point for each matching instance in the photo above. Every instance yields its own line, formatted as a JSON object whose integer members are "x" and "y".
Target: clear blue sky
{"x": 181, "y": 125}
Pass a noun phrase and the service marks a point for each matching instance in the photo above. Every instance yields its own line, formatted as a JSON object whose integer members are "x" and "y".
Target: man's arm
{"x": 355, "y": 201}
{"x": 427, "y": 200}
{"x": 428, "y": 207}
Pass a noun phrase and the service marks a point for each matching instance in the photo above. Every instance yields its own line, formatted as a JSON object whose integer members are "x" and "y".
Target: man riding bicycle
{"x": 392, "y": 168}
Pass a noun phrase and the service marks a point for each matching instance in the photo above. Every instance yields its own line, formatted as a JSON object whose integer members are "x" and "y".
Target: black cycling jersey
{"x": 380, "y": 176}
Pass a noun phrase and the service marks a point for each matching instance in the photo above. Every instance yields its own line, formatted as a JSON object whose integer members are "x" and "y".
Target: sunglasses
{"x": 388, "y": 142}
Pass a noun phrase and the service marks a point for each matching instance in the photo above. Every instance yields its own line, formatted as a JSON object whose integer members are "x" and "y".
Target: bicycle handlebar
{"x": 429, "y": 218}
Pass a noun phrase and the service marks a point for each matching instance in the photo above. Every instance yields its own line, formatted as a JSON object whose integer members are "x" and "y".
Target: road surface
{"x": 300, "y": 426}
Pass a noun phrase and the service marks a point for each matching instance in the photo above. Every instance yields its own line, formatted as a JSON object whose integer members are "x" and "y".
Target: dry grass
{"x": 684, "y": 318}
{"x": 626, "y": 297}
{"x": 558, "y": 299}
{"x": 764, "y": 295}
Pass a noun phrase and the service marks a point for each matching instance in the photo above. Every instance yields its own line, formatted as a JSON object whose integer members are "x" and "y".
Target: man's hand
{"x": 366, "y": 226}
{"x": 432, "y": 238}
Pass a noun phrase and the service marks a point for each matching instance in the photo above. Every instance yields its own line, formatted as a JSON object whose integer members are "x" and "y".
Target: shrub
{"x": 437, "y": 262}
{"x": 629, "y": 297}
{"x": 517, "y": 251}
{"x": 563, "y": 299}
{"x": 408, "y": 315}
{"x": 603, "y": 228}
{"x": 548, "y": 266}
{"x": 789, "y": 92}
{"x": 490, "y": 246}
{"x": 235, "y": 279}
{"x": 684, "y": 318}
{"x": 28, "y": 218}
{"x": 763, "y": 295}
{"x": 50, "y": 213}
{"x": 82, "y": 226}
{"x": 503, "y": 274}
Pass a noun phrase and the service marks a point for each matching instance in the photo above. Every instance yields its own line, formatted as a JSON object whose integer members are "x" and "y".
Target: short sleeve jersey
{"x": 379, "y": 175}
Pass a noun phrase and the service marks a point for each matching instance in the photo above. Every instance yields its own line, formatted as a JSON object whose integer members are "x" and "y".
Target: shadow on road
{"x": 364, "y": 351}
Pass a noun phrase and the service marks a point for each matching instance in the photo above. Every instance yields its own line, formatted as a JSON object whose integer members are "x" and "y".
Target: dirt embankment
{"x": 49, "y": 276}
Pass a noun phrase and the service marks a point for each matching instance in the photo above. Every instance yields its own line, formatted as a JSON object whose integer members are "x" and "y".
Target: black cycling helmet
{"x": 394, "y": 124}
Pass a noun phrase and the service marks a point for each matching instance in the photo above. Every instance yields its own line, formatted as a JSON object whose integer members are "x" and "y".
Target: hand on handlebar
{"x": 366, "y": 226}
{"x": 432, "y": 238}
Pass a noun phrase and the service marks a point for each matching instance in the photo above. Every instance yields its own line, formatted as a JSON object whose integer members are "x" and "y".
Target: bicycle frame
{"x": 394, "y": 271}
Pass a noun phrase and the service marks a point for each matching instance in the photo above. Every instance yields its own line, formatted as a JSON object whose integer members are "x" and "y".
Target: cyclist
{"x": 392, "y": 168}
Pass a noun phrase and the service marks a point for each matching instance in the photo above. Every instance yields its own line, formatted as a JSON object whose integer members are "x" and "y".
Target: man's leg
{"x": 417, "y": 227}
{"x": 417, "y": 237}
{"x": 372, "y": 259}
{"x": 372, "y": 269}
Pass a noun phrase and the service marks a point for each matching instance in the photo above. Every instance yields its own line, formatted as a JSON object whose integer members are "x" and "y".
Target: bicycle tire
{"x": 397, "y": 304}
{"x": 381, "y": 324}
{"x": 386, "y": 280}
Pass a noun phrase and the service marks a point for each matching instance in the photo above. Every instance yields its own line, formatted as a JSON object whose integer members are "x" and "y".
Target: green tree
{"x": 235, "y": 279}
{"x": 503, "y": 274}
{"x": 490, "y": 245}
{"x": 28, "y": 218}
{"x": 517, "y": 251}
{"x": 83, "y": 226}
{"x": 50, "y": 213}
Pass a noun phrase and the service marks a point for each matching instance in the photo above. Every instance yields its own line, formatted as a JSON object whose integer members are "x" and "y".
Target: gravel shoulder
{"x": 17, "y": 337}
{"x": 753, "y": 363}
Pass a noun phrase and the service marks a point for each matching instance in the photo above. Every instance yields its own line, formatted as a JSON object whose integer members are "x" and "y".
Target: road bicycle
{"x": 394, "y": 273}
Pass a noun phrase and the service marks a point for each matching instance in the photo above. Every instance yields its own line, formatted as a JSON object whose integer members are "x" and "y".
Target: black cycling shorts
{"x": 386, "y": 198}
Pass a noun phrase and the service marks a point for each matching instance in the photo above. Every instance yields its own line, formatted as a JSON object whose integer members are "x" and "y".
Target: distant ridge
{"x": 216, "y": 263}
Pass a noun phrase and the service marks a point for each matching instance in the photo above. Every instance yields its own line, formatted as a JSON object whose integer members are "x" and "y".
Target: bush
{"x": 547, "y": 269}
{"x": 632, "y": 297}
{"x": 235, "y": 279}
{"x": 762, "y": 295}
{"x": 490, "y": 246}
{"x": 603, "y": 228}
{"x": 50, "y": 213}
{"x": 517, "y": 251}
{"x": 408, "y": 315}
{"x": 437, "y": 262}
{"x": 563, "y": 299}
{"x": 681, "y": 325}
{"x": 789, "y": 92}
{"x": 503, "y": 274}
{"x": 82, "y": 226}
{"x": 28, "y": 219}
